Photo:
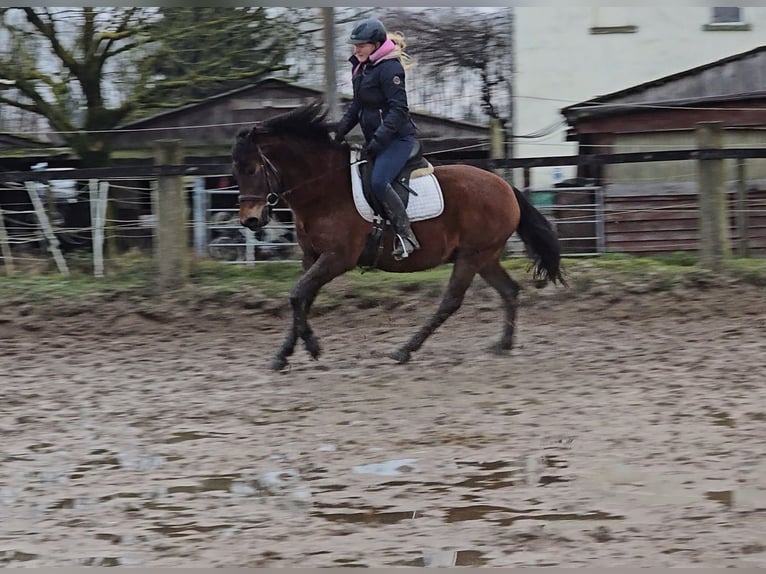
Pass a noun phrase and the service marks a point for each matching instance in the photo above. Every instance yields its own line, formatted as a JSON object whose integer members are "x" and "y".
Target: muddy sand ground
{"x": 623, "y": 430}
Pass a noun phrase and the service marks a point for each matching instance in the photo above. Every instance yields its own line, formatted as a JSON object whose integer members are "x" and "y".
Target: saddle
{"x": 416, "y": 166}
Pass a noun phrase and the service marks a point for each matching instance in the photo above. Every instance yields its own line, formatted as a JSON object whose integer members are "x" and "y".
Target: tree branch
{"x": 49, "y": 32}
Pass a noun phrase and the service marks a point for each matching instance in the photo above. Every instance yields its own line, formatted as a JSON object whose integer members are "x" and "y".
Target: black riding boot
{"x": 405, "y": 241}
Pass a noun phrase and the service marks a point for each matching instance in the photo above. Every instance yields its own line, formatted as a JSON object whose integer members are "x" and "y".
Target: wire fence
{"x": 590, "y": 219}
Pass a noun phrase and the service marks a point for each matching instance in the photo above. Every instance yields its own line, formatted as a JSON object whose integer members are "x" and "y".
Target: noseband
{"x": 273, "y": 181}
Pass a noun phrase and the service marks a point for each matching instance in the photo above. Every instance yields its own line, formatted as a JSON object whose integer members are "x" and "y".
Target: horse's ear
{"x": 253, "y": 132}
{"x": 319, "y": 109}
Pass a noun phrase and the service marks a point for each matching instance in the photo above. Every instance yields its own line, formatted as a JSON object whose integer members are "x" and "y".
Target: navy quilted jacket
{"x": 380, "y": 102}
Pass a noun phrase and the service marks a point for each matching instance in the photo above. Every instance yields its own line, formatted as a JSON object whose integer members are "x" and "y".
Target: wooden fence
{"x": 709, "y": 209}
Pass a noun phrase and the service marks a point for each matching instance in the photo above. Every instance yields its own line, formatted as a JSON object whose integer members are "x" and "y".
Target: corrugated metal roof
{"x": 735, "y": 78}
{"x": 275, "y": 82}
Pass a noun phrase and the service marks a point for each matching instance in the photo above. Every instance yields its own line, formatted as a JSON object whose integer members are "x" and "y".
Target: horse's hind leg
{"x": 497, "y": 277}
{"x": 463, "y": 273}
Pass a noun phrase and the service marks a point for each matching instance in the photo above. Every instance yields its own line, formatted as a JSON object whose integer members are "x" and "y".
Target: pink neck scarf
{"x": 384, "y": 50}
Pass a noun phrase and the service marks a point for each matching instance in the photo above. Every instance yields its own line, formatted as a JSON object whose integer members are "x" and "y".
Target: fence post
{"x": 714, "y": 244}
{"x": 99, "y": 196}
{"x": 170, "y": 207}
{"x": 743, "y": 245}
{"x": 47, "y": 228}
{"x": 497, "y": 143}
{"x": 5, "y": 246}
{"x": 201, "y": 204}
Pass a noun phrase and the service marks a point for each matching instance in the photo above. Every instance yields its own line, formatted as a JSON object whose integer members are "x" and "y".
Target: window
{"x": 727, "y": 19}
{"x": 727, "y": 15}
{"x": 611, "y": 20}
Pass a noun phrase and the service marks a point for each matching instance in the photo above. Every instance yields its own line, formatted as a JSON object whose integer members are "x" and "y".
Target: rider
{"x": 380, "y": 107}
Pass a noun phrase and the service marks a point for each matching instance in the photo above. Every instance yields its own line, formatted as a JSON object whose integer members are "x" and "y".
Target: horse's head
{"x": 299, "y": 143}
{"x": 259, "y": 181}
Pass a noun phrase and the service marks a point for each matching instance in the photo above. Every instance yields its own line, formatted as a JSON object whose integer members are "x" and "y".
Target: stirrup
{"x": 403, "y": 242}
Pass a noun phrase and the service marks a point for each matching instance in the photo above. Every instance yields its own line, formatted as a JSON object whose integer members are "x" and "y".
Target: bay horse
{"x": 291, "y": 157}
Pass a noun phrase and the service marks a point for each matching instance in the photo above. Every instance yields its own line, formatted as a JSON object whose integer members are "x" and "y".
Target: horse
{"x": 292, "y": 157}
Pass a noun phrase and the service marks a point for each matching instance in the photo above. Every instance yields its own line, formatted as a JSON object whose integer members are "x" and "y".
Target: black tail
{"x": 541, "y": 242}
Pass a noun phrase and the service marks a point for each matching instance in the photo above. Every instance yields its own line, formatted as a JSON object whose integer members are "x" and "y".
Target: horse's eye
{"x": 250, "y": 171}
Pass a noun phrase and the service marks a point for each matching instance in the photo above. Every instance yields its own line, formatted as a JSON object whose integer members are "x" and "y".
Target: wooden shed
{"x": 652, "y": 207}
{"x": 208, "y": 128}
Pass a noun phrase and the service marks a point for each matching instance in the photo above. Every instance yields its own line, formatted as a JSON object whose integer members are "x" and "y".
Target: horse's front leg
{"x": 322, "y": 271}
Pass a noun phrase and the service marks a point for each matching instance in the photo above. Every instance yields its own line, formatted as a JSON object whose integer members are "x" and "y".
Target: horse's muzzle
{"x": 255, "y": 223}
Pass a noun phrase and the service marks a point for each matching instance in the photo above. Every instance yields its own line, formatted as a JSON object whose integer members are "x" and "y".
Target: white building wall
{"x": 559, "y": 62}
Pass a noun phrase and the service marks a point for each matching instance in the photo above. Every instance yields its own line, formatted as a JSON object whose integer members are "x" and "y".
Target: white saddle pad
{"x": 428, "y": 203}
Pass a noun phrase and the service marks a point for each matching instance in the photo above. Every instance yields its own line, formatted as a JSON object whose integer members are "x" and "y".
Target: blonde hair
{"x": 398, "y": 39}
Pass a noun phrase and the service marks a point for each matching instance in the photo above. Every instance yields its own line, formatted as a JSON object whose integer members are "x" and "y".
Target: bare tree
{"x": 86, "y": 70}
{"x": 452, "y": 45}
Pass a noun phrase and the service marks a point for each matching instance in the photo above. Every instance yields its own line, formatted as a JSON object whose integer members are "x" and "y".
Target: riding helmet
{"x": 368, "y": 31}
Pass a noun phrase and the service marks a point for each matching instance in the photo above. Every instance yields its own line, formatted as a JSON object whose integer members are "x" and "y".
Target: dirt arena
{"x": 625, "y": 429}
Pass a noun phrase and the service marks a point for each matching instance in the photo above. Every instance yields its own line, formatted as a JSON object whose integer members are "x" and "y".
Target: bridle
{"x": 273, "y": 178}
{"x": 274, "y": 182}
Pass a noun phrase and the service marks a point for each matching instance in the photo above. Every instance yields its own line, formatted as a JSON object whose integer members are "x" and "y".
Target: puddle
{"x": 207, "y": 484}
{"x": 363, "y": 514}
{"x": 42, "y": 447}
{"x": 332, "y": 488}
{"x": 476, "y": 512}
{"x": 514, "y": 473}
{"x": 139, "y": 461}
{"x": 185, "y": 529}
{"x": 479, "y": 512}
{"x": 101, "y": 561}
{"x": 445, "y": 558}
{"x": 491, "y": 481}
{"x": 15, "y": 556}
{"x": 546, "y": 480}
{"x": 590, "y": 515}
{"x": 109, "y": 461}
{"x": 720, "y": 418}
{"x": 71, "y": 504}
{"x": 725, "y": 497}
{"x": 387, "y": 468}
{"x": 186, "y": 436}
{"x": 278, "y": 478}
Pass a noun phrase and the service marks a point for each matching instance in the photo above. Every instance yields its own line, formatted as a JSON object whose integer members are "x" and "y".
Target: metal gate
{"x": 218, "y": 233}
{"x": 577, "y": 215}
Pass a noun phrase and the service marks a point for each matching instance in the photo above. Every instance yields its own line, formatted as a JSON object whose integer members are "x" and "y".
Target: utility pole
{"x": 330, "y": 84}
{"x": 510, "y": 151}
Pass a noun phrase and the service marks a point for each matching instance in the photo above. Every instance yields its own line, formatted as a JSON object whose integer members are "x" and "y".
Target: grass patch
{"x": 133, "y": 275}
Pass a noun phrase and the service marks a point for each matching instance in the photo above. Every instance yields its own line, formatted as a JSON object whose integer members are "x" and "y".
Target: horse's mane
{"x": 307, "y": 121}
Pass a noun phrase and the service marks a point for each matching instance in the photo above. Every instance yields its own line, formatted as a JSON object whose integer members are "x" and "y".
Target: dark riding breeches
{"x": 389, "y": 163}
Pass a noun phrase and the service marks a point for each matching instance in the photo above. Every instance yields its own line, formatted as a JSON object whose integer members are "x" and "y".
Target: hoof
{"x": 278, "y": 363}
{"x": 400, "y": 355}
{"x": 499, "y": 349}
{"x": 313, "y": 348}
